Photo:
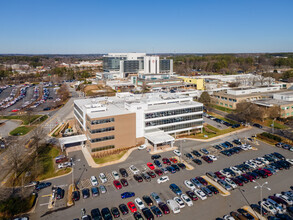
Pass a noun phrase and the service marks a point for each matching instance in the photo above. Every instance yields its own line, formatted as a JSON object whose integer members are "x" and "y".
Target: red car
{"x": 151, "y": 166}
{"x": 151, "y": 174}
{"x": 117, "y": 184}
{"x": 269, "y": 173}
{"x": 237, "y": 181}
{"x": 166, "y": 161}
{"x": 124, "y": 182}
{"x": 132, "y": 207}
{"x": 207, "y": 159}
{"x": 249, "y": 177}
{"x": 174, "y": 160}
{"x": 164, "y": 208}
{"x": 202, "y": 180}
{"x": 158, "y": 172}
{"x": 219, "y": 175}
{"x": 14, "y": 110}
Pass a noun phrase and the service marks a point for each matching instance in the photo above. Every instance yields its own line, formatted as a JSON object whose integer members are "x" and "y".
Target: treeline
{"x": 230, "y": 63}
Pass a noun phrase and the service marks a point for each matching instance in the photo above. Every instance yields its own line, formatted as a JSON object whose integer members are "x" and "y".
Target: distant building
{"x": 127, "y": 63}
{"x": 193, "y": 82}
{"x": 231, "y": 97}
{"x": 284, "y": 101}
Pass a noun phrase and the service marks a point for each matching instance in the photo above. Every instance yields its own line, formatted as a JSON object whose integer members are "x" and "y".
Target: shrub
{"x": 271, "y": 136}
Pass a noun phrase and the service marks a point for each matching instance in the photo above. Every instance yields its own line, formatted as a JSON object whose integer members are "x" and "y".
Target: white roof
{"x": 159, "y": 137}
{"x": 72, "y": 139}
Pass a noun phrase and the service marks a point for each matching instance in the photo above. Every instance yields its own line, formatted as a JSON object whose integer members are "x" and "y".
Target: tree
{"x": 205, "y": 98}
{"x": 234, "y": 84}
{"x": 273, "y": 112}
{"x": 15, "y": 156}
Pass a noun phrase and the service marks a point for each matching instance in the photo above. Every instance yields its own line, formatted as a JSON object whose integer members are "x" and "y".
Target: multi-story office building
{"x": 128, "y": 120}
{"x": 232, "y": 97}
{"x": 127, "y": 63}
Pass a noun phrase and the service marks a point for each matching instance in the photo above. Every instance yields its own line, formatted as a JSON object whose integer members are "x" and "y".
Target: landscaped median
{"x": 69, "y": 195}
{"x": 222, "y": 191}
{"x": 255, "y": 214}
{"x": 272, "y": 138}
{"x": 188, "y": 166}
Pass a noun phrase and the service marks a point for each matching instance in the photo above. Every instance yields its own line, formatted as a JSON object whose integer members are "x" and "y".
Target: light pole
{"x": 261, "y": 186}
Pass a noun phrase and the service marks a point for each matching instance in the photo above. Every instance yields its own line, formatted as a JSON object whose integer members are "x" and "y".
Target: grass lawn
{"x": 23, "y": 118}
{"x": 223, "y": 109}
{"x": 110, "y": 158}
{"x": 48, "y": 165}
{"x": 277, "y": 124}
{"x": 216, "y": 132}
{"x": 22, "y": 130}
{"x": 41, "y": 119}
{"x": 222, "y": 118}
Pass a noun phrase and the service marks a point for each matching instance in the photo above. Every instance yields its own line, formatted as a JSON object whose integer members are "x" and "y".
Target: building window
{"x": 181, "y": 126}
{"x": 172, "y": 112}
{"x": 78, "y": 116}
{"x": 230, "y": 106}
{"x": 102, "y": 121}
{"x": 226, "y": 105}
{"x": 100, "y": 130}
{"x": 103, "y": 148}
{"x": 94, "y": 140}
{"x": 221, "y": 103}
{"x": 172, "y": 120}
{"x": 78, "y": 109}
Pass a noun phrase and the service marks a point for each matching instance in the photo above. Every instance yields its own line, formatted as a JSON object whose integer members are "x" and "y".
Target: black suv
{"x": 123, "y": 172}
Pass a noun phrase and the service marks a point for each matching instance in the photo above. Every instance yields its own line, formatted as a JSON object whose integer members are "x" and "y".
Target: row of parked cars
{"x": 275, "y": 207}
{"x": 261, "y": 167}
{"x": 220, "y": 121}
{"x": 12, "y": 99}
{"x": 153, "y": 205}
{"x": 284, "y": 146}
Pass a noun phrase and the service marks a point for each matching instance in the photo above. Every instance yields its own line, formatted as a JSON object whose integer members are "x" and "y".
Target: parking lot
{"x": 211, "y": 208}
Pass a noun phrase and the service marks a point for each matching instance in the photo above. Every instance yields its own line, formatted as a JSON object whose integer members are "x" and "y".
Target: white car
{"x": 236, "y": 170}
{"x": 189, "y": 185}
{"x": 290, "y": 161}
{"x": 94, "y": 181}
{"x": 258, "y": 163}
{"x": 212, "y": 157}
{"x": 103, "y": 178}
{"x": 173, "y": 206}
{"x": 177, "y": 153}
{"x": 285, "y": 198}
{"x": 115, "y": 175}
{"x": 187, "y": 200}
{"x": 179, "y": 202}
{"x": 263, "y": 160}
{"x": 139, "y": 203}
{"x": 228, "y": 217}
{"x": 163, "y": 179}
{"x": 269, "y": 207}
{"x": 226, "y": 174}
{"x": 142, "y": 147}
{"x": 252, "y": 165}
{"x": 231, "y": 183}
{"x": 133, "y": 169}
{"x": 200, "y": 194}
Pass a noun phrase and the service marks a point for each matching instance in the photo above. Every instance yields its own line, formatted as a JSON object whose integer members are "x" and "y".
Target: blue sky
{"x": 195, "y": 26}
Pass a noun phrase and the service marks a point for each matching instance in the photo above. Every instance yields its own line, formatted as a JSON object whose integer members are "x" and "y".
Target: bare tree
{"x": 38, "y": 135}
{"x": 15, "y": 156}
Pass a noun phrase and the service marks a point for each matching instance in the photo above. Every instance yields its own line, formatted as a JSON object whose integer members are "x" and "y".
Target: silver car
{"x": 156, "y": 197}
{"x": 224, "y": 184}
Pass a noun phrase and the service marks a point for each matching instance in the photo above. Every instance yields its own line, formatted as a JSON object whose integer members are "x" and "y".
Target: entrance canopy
{"x": 71, "y": 140}
{"x": 159, "y": 137}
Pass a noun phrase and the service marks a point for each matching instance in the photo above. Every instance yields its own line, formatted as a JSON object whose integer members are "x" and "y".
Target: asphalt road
{"x": 211, "y": 208}
{"x": 8, "y": 126}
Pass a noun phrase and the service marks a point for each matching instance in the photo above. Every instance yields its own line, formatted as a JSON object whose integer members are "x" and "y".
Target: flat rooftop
{"x": 119, "y": 104}
{"x": 268, "y": 94}
{"x": 271, "y": 102}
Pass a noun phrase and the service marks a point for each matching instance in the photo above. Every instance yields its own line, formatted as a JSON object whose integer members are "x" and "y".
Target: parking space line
{"x": 47, "y": 195}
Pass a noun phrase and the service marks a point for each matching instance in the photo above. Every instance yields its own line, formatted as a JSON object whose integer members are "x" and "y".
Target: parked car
{"x": 123, "y": 209}
{"x": 106, "y": 214}
{"x": 94, "y": 181}
{"x": 156, "y": 197}
{"x": 147, "y": 214}
{"x": 164, "y": 208}
{"x": 117, "y": 184}
{"x": 103, "y": 177}
{"x": 126, "y": 195}
{"x": 85, "y": 193}
{"x": 42, "y": 185}
{"x": 132, "y": 207}
{"x": 133, "y": 169}
{"x": 205, "y": 151}
{"x": 175, "y": 189}
{"x": 139, "y": 203}
{"x": 147, "y": 200}
{"x": 123, "y": 172}
{"x": 115, "y": 212}
{"x": 95, "y": 191}
{"x": 75, "y": 195}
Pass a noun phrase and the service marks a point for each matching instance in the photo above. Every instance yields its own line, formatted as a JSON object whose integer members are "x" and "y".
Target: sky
{"x": 152, "y": 26}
